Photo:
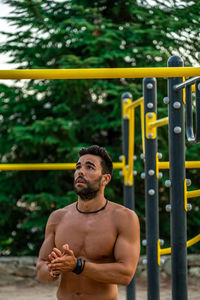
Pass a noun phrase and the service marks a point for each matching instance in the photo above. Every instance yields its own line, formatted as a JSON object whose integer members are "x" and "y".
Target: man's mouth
{"x": 80, "y": 180}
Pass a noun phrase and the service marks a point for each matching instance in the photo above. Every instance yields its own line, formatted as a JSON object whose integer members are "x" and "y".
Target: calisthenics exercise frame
{"x": 177, "y": 72}
{"x": 177, "y": 183}
{"x": 178, "y": 164}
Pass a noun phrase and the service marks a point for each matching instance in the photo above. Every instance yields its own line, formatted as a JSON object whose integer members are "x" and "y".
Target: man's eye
{"x": 89, "y": 167}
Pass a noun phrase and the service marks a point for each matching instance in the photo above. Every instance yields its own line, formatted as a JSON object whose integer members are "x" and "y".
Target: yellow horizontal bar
{"x": 165, "y": 251}
{"x": 193, "y": 241}
{"x": 118, "y": 165}
{"x": 158, "y": 123}
{"x": 192, "y": 164}
{"x": 163, "y": 165}
{"x": 193, "y": 194}
{"x": 42, "y": 166}
{"x": 135, "y": 104}
{"x": 47, "y": 166}
{"x": 190, "y": 243}
{"x": 99, "y": 73}
{"x": 188, "y": 164}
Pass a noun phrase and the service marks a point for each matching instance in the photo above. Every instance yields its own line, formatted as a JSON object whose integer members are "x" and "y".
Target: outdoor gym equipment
{"x": 149, "y": 124}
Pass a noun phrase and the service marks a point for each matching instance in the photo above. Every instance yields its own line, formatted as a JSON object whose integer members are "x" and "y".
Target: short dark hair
{"x": 106, "y": 161}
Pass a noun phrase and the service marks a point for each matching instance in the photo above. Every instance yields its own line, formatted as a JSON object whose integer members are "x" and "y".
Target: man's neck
{"x": 92, "y": 204}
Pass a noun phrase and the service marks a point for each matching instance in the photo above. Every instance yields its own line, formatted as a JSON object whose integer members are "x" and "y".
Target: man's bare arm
{"x": 126, "y": 252}
{"x": 46, "y": 253}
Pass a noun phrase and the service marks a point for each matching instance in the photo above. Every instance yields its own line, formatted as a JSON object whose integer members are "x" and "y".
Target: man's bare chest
{"x": 92, "y": 236}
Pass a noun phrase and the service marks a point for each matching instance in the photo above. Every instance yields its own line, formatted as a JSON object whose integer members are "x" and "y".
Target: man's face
{"x": 88, "y": 176}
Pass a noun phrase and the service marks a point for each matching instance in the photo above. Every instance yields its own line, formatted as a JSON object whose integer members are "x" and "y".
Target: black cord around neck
{"x": 91, "y": 212}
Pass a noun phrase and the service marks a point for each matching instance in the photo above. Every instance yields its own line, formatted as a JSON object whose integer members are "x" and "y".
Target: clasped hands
{"x": 61, "y": 262}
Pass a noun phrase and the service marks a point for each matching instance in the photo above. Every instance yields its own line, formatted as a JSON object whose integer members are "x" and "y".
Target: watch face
{"x": 79, "y": 262}
{"x": 79, "y": 266}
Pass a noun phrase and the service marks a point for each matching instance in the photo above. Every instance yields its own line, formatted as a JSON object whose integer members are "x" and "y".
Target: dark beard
{"x": 89, "y": 192}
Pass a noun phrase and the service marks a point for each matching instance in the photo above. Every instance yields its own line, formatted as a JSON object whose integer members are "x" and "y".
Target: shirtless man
{"x": 93, "y": 244}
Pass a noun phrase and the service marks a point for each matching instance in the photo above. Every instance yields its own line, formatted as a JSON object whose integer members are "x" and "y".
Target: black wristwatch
{"x": 79, "y": 266}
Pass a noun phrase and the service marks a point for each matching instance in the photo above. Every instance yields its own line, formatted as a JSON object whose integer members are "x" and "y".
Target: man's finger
{"x": 56, "y": 263}
{"x": 50, "y": 257}
{"x": 53, "y": 254}
{"x": 57, "y": 260}
{"x": 68, "y": 252}
{"x": 57, "y": 252}
{"x": 66, "y": 246}
{"x": 55, "y": 266}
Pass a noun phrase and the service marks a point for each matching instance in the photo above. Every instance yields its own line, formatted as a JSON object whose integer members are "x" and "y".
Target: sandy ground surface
{"x": 33, "y": 290}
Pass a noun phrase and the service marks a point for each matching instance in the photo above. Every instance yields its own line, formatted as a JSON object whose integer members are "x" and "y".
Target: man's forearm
{"x": 43, "y": 273}
{"x": 114, "y": 273}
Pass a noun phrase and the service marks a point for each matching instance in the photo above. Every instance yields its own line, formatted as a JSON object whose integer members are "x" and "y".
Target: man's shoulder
{"x": 121, "y": 211}
{"x": 59, "y": 213}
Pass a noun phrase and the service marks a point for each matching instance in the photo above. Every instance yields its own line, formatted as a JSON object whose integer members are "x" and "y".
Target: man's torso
{"x": 93, "y": 237}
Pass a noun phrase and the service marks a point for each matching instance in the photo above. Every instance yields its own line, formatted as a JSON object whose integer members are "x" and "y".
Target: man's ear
{"x": 106, "y": 179}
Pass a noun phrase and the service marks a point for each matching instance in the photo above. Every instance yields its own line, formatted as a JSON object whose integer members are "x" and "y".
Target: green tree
{"x": 49, "y": 120}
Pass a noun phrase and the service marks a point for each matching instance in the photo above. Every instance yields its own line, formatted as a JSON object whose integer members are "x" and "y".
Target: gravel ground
{"x": 33, "y": 290}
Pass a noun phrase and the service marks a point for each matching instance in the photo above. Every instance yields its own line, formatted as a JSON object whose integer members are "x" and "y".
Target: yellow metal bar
{"x": 164, "y": 165}
{"x": 135, "y": 104}
{"x": 193, "y": 194}
{"x": 165, "y": 251}
{"x": 192, "y": 164}
{"x": 183, "y": 91}
{"x": 150, "y": 131}
{"x": 99, "y": 73}
{"x": 193, "y": 88}
{"x": 131, "y": 146}
{"x": 129, "y": 177}
{"x": 158, "y": 123}
{"x": 193, "y": 241}
{"x": 125, "y": 111}
{"x": 43, "y": 166}
{"x": 161, "y": 251}
{"x": 142, "y": 125}
{"x": 128, "y": 114}
{"x": 158, "y": 251}
{"x": 161, "y": 165}
{"x": 185, "y": 195}
{"x": 118, "y": 165}
{"x": 157, "y": 166}
{"x": 189, "y": 194}
{"x": 188, "y": 164}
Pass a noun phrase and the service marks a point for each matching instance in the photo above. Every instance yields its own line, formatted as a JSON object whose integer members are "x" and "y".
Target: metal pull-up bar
{"x": 102, "y": 73}
{"x": 191, "y": 137}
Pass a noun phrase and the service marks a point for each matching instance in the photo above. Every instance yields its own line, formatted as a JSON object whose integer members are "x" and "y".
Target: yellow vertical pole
{"x": 142, "y": 125}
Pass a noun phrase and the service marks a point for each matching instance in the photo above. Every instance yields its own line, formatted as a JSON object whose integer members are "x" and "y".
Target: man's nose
{"x": 80, "y": 171}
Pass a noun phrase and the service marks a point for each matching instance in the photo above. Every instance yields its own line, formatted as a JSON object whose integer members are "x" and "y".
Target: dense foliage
{"x": 49, "y": 120}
